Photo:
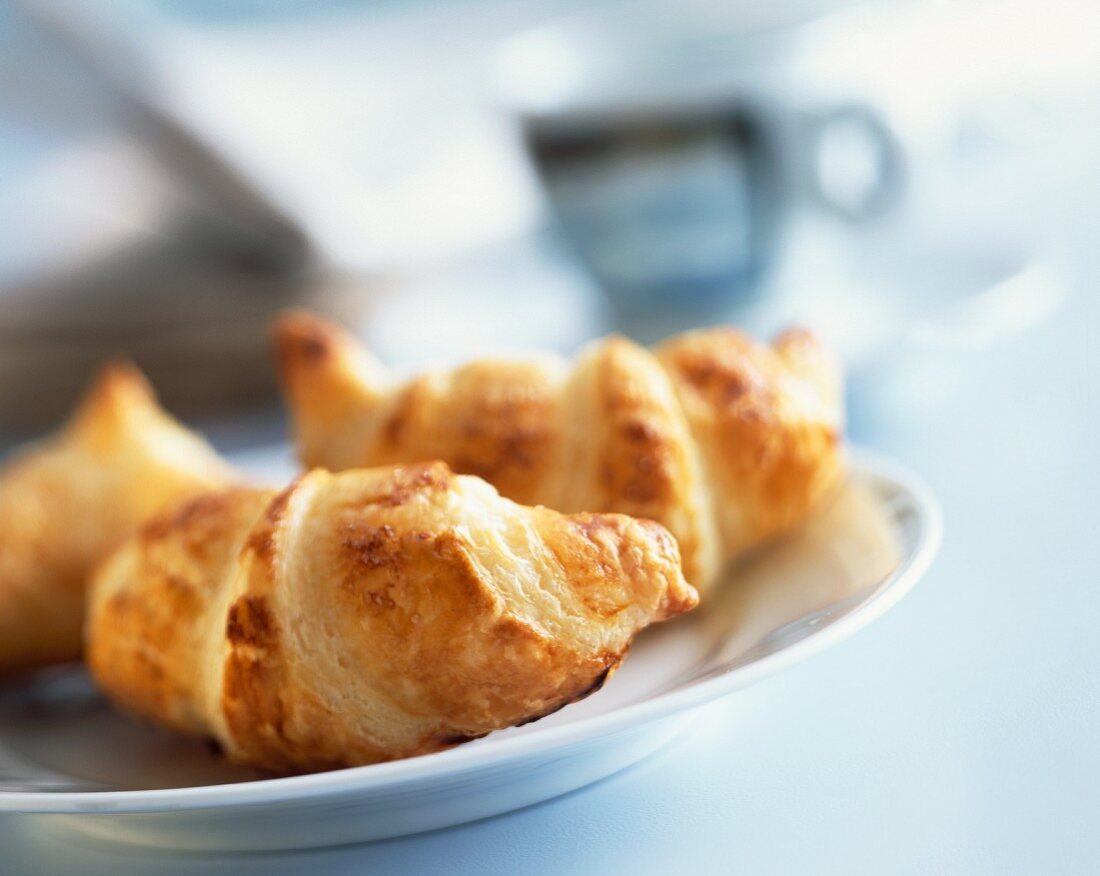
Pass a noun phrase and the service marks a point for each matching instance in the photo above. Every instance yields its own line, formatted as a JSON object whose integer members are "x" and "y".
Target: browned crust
{"x": 723, "y": 440}
{"x": 143, "y": 637}
{"x": 506, "y": 428}
{"x": 644, "y": 466}
{"x": 303, "y": 341}
{"x": 368, "y": 618}
{"x": 330, "y": 378}
{"x": 255, "y": 679}
{"x": 496, "y": 421}
{"x": 641, "y": 464}
{"x": 770, "y": 459}
{"x": 65, "y": 502}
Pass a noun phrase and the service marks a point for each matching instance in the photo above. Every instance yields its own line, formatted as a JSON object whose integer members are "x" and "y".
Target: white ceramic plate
{"x": 71, "y": 760}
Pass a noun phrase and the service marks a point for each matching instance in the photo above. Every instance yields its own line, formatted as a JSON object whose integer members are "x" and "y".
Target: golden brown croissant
{"x": 371, "y": 615}
{"x": 66, "y": 502}
{"x": 723, "y": 440}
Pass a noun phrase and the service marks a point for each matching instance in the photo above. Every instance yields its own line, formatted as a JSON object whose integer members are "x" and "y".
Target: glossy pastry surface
{"x": 372, "y": 614}
{"x": 722, "y": 439}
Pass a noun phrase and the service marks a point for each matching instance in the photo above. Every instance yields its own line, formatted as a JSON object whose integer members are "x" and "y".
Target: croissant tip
{"x": 797, "y": 336}
{"x": 292, "y": 319}
{"x": 303, "y": 338}
{"x": 122, "y": 372}
{"x": 321, "y": 366}
{"x": 680, "y": 598}
{"x": 119, "y": 386}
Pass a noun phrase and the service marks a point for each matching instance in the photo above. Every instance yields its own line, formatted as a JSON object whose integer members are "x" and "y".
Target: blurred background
{"x": 916, "y": 180}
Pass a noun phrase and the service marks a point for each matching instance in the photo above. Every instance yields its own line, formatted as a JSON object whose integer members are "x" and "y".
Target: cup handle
{"x": 856, "y": 165}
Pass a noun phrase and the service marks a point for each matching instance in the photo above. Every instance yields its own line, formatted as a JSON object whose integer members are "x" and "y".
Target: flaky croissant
{"x": 371, "y": 615}
{"x": 67, "y": 501}
{"x": 723, "y": 440}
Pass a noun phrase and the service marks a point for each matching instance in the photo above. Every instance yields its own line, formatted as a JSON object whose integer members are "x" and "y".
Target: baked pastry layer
{"x": 66, "y": 501}
{"x": 724, "y": 440}
{"x": 371, "y": 615}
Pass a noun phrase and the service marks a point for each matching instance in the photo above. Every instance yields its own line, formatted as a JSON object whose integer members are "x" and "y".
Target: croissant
{"x": 371, "y": 615}
{"x": 723, "y": 440}
{"x": 66, "y": 501}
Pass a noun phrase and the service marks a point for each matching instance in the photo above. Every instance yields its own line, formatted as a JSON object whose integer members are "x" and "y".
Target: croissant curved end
{"x": 118, "y": 392}
{"x": 300, "y": 337}
{"x": 308, "y": 347}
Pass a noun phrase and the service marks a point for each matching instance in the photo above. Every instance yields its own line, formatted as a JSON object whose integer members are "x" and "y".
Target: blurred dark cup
{"x": 673, "y": 146}
{"x": 678, "y": 212}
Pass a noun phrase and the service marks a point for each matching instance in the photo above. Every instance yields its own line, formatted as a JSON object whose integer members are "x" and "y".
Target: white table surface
{"x": 956, "y": 735}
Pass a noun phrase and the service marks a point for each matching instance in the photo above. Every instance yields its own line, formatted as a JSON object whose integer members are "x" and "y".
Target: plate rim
{"x": 377, "y": 777}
